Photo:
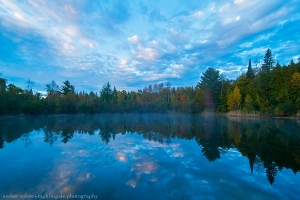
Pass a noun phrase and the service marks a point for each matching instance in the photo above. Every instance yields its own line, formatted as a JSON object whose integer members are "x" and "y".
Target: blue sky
{"x": 135, "y": 43}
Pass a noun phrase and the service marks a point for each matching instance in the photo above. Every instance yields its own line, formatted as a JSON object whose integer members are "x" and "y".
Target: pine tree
{"x": 250, "y": 71}
{"x": 115, "y": 96}
{"x": 211, "y": 83}
{"x": 67, "y": 88}
{"x": 106, "y": 93}
{"x": 268, "y": 62}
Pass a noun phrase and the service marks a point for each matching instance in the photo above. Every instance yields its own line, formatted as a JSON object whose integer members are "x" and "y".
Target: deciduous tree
{"x": 234, "y": 99}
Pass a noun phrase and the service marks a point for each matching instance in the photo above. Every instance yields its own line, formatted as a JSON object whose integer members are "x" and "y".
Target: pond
{"x": 148, "y": 156}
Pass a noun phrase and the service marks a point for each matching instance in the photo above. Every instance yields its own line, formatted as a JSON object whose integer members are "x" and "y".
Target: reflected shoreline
{"x": 229, "y": 115}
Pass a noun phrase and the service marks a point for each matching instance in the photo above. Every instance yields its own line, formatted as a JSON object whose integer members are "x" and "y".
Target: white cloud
{"x": 147, "y": 54}
{"x": 212, "y": 6}
{"x": 123, "y": 63}
{"x": 239, "y": 1}
{"x": 34, "y": 3}
{"x": 18, "y": 16}
{"x": 230, "y": 20}
{"x": 91, "y": 45}
{"x": 197, "y": 14}
{"x": 69, "y": 9}
{"x": 154, "y": 43}
{"x": 173, "y": 43}
{"x": 134, "y": 39}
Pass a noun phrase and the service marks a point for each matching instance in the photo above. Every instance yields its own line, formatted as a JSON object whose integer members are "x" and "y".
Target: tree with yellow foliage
{"x": 234, "y": 99}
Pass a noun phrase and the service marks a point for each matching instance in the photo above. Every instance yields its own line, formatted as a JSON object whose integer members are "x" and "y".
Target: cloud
{"x": 141, "y": 42}
{"x": 134, "y": 39}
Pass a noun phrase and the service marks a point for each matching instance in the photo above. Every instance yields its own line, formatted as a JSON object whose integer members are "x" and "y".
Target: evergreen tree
{"x": 250, "y": 71}
{"x": 211, "y": 83}
{"x": 67, "y": 88}
{"x": 114, "y": 95}
{"x": 209, "y": 78}
{"x": 268, "y": 61}
{"x": 106, "y": 93}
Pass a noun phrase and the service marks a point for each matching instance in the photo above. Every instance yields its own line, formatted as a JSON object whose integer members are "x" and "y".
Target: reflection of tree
{"x": 157, "y": 137}
{"x": 234, "y": 130}
{"x": 66, "y": 135}
{"x": 13, "y": 128}
{"x": 252, "y": 159}
{"x": 259, "y": 166}
{"x": 211, "y": 151}
{"x": 26, "y": 138}
{"x": 106, "y": 135}
{"x": 212, "y": 138}
{"x": 2, "y": 140}
{"x": 271, "y": 171}
{"x": 50, "y": 137}
{"x": 269, "y": 145}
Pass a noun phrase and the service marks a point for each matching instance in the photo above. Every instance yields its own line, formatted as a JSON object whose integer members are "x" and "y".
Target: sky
{"x": 132, "y": 44}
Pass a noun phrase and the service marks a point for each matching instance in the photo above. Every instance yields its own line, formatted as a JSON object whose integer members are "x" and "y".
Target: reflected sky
{"x": 131, "y": 166}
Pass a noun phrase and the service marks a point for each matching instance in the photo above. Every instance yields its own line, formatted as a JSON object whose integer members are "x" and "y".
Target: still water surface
{"x": 149, "y": 157}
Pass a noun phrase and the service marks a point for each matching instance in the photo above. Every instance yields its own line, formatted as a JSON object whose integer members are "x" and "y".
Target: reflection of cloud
{"x": 146, "y": 167}
{"x": 121, "y": 157}
{"x": 153, "y": 179}
{"x": 178, "y": 154}
{"x": 151, "y": 169}
{"x": 132, "y": 182}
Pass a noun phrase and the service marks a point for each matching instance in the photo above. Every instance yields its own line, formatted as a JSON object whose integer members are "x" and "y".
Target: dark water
{"x": 149, "y": 157}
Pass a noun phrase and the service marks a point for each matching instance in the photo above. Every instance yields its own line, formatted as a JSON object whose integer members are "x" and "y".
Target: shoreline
{"x": 229, "y": 114}
{"x": 254, "y": 115}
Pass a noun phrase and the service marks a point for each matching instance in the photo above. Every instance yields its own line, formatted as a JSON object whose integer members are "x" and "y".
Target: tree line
{"x": 271, "y": 90}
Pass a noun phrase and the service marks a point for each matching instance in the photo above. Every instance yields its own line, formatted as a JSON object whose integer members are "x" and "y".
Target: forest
{"x": 268, "y": 90}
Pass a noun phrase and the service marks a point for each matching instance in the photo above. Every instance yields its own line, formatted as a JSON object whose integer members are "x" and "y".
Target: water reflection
{"x": 269, "y": 145}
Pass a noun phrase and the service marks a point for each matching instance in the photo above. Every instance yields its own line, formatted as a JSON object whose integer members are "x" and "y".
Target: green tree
{"x": 268, "y": 61}
{"x": 53, "y": 96}
{"x": 14, "y": 90}
{"x": 3, "y": 96}
{"x": 67, "y": 88}
{"x": 106, "y": 93}
{"x": 262, "y": 84}
{"x": 242, "y": 83}
{"x": 29, "y": 85}
{"x": 3, "y": 82}
{"x": 295, "y": 90}
{"x": 199, "y": 97}
{"x": 250, "y": 72}
{"x": 68, "y": 103}
{"x": 115, "y": 96}
{"x": 52, "y": 88}
{"x": 249, "y": 103}
{"x": 211, "y": 83}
